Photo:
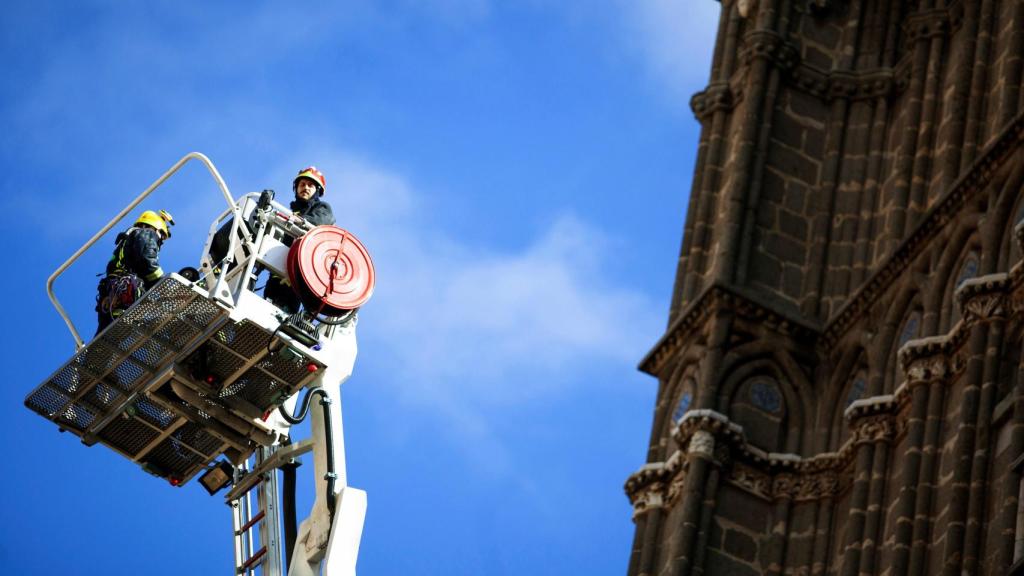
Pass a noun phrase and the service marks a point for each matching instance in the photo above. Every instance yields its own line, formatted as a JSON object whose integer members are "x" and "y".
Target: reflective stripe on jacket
{"x": 137, "y": 252}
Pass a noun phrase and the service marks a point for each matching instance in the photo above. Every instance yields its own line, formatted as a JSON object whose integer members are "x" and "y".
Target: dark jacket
{"x": 137, "y": 252}
{"x": 314, "y": 210}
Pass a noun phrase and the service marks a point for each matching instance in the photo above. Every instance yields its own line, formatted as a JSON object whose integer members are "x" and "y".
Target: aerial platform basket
{"x": 204, "y": 368}
{"x": 198, "y": 369}
{"x": 174, "y": 383}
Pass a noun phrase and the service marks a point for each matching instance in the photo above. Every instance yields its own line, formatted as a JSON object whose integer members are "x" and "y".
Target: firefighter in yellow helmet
{"x": 134, "y": 266}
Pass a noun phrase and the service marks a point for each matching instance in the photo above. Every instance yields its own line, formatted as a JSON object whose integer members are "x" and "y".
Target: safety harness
{"x": 121, "y": 287}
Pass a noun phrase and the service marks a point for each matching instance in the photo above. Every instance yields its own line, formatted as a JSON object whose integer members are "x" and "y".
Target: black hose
{"x": 325, "y": 401}
{"x": 332, "y": 475}
{"x": 303, "y": 408}
{"x": 288, "y": 511}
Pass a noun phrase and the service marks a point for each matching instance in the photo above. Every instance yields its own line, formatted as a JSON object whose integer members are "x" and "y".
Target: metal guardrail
{"x": 131, "y": 206}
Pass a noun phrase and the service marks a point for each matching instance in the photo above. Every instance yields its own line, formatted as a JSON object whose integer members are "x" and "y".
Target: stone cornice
{"x": 769, "y": 475}
{"x": 648, "y": 480}
{"x": 985, "y": 298}
{"x": 716, "y": 97}
{"x": 718, "y": 297}
{"x": 932, "y": 359}
{"x": 872, "y": 406}
{"x": 828, "y": 85}
{"x": 848, "y": 84}
{"x": 944, "y": 212}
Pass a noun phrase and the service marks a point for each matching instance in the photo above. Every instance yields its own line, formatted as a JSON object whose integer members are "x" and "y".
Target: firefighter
{"x": 133, "y": 267}
{"x": 309, "y": 187}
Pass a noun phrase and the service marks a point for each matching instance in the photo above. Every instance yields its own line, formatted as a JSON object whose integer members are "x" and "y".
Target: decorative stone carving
{"x": 645, "y": 476}
{"x": 702, "y": 443}
{"x": 926, "y": 369}
{"x": 817, "y": 486}
{"x": 768, "y": 45}
{"x": 714, "y": 98}
{"x": 785, "y": 486}
{"x": 925, "y": 359}
{"x": 648, "y": 499}
{"x": 986, "y": 307}
{"x": 752, "y": 480}
{"x": 984, "y": 298}
{"x": 675, "y": 489}
{"x": 874, "y": 429}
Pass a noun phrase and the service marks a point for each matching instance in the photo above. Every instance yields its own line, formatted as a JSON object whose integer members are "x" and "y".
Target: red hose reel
{"x": 331, "y": 271}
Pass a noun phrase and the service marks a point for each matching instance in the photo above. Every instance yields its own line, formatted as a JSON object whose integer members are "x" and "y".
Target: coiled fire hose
{"x": 330, "y": 271}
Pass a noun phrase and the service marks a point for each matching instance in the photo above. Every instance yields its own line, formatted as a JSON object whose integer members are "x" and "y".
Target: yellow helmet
{"x": 158, "y": 220}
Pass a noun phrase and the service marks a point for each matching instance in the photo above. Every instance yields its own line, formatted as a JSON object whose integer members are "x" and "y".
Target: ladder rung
{"x": 253, "y": 560}
{"x": 250, "y": 523}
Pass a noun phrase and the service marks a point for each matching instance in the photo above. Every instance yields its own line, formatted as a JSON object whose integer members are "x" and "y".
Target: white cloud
{"x": 676, "y": 38}
{"x": 473, "y": 329}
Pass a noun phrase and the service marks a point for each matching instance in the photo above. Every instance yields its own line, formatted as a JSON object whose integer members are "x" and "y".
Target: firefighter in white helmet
{"x": 134, "y": 265}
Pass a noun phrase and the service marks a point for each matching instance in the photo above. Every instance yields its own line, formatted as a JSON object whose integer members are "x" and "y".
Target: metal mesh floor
{"x": 243, "y": 371}
{"x": 99, "y": 393}
{"x": 114, "y": 391}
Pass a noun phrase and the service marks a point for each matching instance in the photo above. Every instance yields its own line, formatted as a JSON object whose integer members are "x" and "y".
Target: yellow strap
{"x": 158, "y": 273}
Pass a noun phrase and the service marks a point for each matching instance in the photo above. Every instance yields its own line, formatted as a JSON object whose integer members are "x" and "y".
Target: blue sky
{"x": 519, "y": 172}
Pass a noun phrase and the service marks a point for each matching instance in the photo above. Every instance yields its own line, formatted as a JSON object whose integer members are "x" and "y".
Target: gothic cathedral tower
{"x": 840, "y": 388}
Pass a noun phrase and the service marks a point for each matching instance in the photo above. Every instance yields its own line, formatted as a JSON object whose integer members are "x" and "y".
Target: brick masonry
{"x": 840, "y": 388}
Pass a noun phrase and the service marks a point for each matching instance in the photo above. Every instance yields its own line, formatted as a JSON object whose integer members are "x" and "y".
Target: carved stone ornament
{"x": 703, "y": 443}
{"x": 986, "y": 307}
{"x": 926, "y": 369}
{"x": 675, "y": 489}
{"x": 875, "y": 429}
{"x": 751, "y": 480}
{"x": 818, "y": 486}
{"x": 648, "y": 499}
{"x": 785, "y": 486}
{"x": 746, "y": 7}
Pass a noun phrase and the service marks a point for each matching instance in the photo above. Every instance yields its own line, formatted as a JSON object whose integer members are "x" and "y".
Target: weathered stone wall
{"x": 839, "y": 386}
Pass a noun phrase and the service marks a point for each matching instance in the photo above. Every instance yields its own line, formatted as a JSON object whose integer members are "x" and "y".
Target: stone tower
{"x": 840, "y": 388}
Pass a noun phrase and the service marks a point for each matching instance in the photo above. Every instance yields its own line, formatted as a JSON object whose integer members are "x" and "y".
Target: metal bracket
{"x": 281, "y": 457}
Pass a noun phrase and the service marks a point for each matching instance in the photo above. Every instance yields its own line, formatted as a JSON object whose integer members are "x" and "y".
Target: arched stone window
{"x": 1015, "y": 253}
{"x": 760, "y": 408}
{"x": 858, "y": 386}
{"x": 683, "y": 402}
{"x": 765, "y": 395}
{"x": 968, "y": 269}
{"x": 911, "y": 329}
